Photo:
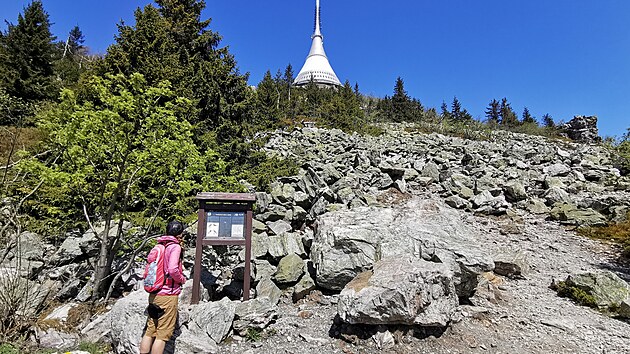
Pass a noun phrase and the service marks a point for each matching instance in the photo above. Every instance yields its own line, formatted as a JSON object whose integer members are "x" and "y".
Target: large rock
{"x": 349, "y": 242}
{"x": 400, "y": 290}
{"x": 571, "y": 215}
{"x": 257, "y": 313}
{"x": 511, "y": 263}
{"x": 290, "y": 269}
{"x": 606, "y": 288}
{"x": 198, "y": 330}
{"x": 582, "y": 129}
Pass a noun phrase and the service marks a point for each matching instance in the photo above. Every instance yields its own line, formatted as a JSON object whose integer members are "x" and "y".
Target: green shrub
{"x": 7, "y": 348}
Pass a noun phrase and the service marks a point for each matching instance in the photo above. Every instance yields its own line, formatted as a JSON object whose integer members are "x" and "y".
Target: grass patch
{"x": 253, "y": 335}
{"x": 95, "y": 348}
{"x": 618, "y": 233}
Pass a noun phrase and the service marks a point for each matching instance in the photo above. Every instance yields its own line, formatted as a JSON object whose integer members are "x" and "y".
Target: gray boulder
{"x": 349, "y": 242}
{"x": 606, "y": 288}
{"x": 290, "y": 269}
{"x": 511, "y": 263}
{"x": 257, "y": 313}
{"x": 569, "y": 214}
{"x": 400, "y": 290}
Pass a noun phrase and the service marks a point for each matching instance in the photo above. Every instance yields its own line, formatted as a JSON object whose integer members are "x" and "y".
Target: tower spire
{"x": 318, "y": 20}
{"x": 316, "y": 67}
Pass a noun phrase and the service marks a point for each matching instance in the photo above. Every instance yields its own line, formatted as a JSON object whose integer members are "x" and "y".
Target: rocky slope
{"x": 472, "y": 233}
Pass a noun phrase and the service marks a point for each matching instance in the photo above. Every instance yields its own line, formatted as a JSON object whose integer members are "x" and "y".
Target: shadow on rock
{"x": 354, "y": 333}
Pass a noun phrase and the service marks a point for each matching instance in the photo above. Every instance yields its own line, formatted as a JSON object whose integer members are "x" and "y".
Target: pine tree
{"x": 527, "y": 117}
{"x": 493, "y": 112}
{"x": 27, "y": 56}
{"x": 72, "y": 62}
{"x": 75, "y": 41}
{"x": 508, "y": 116}
{"x": 172, "y": 43}
{"x": 445, "y": 113}
{"x": 548, "y": 121}
{"x": 456, "y": 109}
{"x": 267, "y": 98}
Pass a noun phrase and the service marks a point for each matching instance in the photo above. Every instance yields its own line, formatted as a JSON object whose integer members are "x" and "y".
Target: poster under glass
{"x": 225, "y": 224}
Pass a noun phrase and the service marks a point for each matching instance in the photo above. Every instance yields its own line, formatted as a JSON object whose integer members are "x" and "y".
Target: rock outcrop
{"x": 349, "y": 242}
{"x": 400, "y": 290}
{"x": 582, "y": 129}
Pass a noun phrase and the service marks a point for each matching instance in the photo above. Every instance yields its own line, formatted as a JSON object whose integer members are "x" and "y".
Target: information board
{"x": 225, "y": 224}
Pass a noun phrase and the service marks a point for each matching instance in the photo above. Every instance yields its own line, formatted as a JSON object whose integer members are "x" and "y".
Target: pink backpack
{"x": 154, "y": 275}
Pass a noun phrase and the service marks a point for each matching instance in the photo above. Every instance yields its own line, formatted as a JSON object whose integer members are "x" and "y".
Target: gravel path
{"x": 510, "y": 316}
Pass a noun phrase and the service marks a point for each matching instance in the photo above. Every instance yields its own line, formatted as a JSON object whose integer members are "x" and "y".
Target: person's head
{"x": 174, "y": 228}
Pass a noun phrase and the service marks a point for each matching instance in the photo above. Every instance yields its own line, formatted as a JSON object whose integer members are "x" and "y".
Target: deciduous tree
{"x": 123, "y": 147}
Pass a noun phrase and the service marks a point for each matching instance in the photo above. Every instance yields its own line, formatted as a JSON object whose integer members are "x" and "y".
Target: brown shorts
{"x": 163, "y": 327}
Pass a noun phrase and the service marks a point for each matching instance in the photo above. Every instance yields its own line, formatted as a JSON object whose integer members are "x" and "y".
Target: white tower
{"x": 317, "y": 66}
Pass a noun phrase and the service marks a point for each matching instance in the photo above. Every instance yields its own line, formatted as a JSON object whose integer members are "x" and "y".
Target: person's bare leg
{"x": 145, "y": 345}
{"x": 158, "y": 346}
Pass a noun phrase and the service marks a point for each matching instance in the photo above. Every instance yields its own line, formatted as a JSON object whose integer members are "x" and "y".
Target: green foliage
{"x": 13, "y": 110}
{"x": 94, "y": 348}
{"x": 74, "y": 58}
{"x": 458, "y": 113}
{"x": 122, "y": 150}
{"x": 401, "y": 107}
{"x": 493, "y": 113}
{"x": 527, "y": 118}
{"x": 576, "y": 294}
{"x": 7, "y": 348}
{"x": 121, "y": 141}
{"x": 507, "y": 114}
{"x": 253, "y": 334}
{"x": 172, "y": 43}
{"x": 548, "y": 121}
{"x": 26, "y": 53}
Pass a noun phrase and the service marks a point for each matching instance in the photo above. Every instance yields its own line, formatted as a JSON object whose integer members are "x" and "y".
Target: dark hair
{"x": 174, "y": 228}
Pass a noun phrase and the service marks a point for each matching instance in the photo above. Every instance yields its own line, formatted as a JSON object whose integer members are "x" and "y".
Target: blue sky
{"x": 562, "y": 57}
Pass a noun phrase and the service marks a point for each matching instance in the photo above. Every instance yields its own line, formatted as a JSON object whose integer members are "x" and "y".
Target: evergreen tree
{"x": 27, "y": 53}
{"x": 400, "y": 107}
{"x": 456, "y": 109}
{"x": 289, "y": 108}
{"x": 72, "y": 62}
{"x": 548, "y": 121}
{"x": 508, "y": 116}
{"x": 445, "y": 113}
{"x": 493, "y": 112}
{"x": 172, "y": 43}
{"x": 267, "y": 99}
{"x": 527, "y": 117}
{"x": 75, "y": 41}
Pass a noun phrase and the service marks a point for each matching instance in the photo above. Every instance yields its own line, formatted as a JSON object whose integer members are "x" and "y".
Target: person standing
{"x": 162, "y": 310}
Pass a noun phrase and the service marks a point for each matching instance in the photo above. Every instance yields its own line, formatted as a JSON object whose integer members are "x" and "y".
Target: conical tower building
{"x": 317, "y": 66}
